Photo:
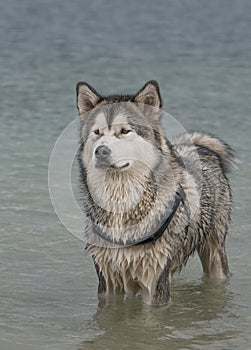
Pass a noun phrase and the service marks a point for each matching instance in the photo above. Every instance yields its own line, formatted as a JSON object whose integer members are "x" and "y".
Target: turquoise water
{"x": 200, "y": 54}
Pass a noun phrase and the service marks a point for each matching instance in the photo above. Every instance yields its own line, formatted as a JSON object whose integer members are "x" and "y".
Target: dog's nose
{"x": 102, "y": 152}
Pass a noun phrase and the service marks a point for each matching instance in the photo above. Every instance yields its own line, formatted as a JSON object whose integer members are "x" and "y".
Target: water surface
{"x": 200, "y": 53}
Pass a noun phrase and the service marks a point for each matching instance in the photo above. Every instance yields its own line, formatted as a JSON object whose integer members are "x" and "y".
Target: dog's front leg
{"x": 102, "y": 288}
{"x": 161, "y": 292}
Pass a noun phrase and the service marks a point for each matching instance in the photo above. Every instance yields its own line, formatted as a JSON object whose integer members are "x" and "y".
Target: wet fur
{"x": 198, "y": 163}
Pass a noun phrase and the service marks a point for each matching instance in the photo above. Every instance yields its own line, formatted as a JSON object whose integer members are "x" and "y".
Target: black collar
{"x": 178, "y": 197}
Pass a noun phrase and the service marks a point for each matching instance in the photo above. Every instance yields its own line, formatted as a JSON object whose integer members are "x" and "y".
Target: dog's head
{"x": 120, "y": 132}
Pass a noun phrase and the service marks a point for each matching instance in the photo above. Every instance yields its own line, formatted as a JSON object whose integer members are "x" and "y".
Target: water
{"x": 200, "y": 53}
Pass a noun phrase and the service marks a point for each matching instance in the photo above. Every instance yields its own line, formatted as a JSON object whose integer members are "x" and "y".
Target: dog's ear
{"x": 87, "y": 97}
{"x": 149, "y": 95}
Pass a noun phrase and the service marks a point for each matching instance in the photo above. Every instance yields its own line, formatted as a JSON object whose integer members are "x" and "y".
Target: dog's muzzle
{"x": 102, "y": 157}
{"x": 103, "y": 160}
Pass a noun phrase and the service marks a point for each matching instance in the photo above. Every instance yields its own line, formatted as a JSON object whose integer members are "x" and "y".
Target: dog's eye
{"x": 96, "y": 132}
{"x": 125, "y": 131}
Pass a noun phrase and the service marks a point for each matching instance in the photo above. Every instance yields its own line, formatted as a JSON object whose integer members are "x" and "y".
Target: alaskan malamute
{"x": 150, "y": 203}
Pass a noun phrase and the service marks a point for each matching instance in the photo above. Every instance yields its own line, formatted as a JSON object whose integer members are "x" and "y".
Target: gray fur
{"x": 196, "y": 162}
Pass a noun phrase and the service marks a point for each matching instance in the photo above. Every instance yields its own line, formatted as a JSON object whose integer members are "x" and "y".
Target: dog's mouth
{"x": 115, "y": 165}
{"x": 119, "y": 167}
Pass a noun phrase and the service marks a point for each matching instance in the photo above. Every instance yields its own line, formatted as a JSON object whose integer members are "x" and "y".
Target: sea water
{"x": 200, "y": 53}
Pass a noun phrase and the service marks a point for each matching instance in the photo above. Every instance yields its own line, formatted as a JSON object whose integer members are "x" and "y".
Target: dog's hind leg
{"x": 212, "y": 251}
{"x": 214, "y": 259}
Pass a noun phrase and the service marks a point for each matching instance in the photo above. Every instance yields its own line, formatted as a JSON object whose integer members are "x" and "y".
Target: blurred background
{"x": 200, "y": 53}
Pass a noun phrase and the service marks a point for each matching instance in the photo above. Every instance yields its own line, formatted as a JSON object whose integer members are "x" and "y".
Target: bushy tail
{"x": 223, "y": 151}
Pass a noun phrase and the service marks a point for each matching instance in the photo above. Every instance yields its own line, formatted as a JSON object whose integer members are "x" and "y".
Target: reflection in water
{"x": 198, "y": 315}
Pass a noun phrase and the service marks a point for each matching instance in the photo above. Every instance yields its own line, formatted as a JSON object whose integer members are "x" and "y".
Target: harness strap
{"x": 179, "y": 197}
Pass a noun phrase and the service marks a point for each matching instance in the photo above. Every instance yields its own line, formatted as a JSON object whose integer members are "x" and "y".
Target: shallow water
{"x": 200, "y": 53}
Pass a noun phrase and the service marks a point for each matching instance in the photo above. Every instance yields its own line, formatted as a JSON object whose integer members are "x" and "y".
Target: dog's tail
{"x": 219, "y": 147}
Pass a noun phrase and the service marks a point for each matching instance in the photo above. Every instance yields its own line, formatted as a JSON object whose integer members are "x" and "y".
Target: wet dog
{"x": 149, "y": 203}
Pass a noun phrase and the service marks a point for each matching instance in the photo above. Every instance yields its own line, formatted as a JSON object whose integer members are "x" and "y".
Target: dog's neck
{"x": 123, "y": 198}
{"x": 125, "y": 207}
